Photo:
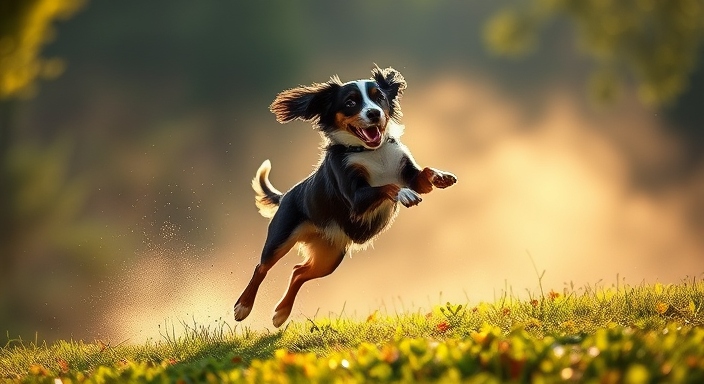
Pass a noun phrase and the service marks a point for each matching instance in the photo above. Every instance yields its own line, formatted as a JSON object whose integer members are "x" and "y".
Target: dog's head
{"x": 354, "y": 113}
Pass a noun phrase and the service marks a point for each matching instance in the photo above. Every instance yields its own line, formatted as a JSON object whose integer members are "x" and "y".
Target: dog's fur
{"x": 353, "y": 194}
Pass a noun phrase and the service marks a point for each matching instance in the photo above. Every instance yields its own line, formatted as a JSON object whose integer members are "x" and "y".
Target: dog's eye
{"x": 350, "y": 103}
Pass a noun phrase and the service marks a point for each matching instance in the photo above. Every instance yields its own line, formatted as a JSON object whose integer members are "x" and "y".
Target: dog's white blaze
{"x": 368, "y": 103}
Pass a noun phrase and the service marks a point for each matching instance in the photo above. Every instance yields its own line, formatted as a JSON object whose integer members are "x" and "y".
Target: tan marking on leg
{"x": 244, "y": 304}
{"x": 322, "y": 259}
{"x": 423, "y": 181}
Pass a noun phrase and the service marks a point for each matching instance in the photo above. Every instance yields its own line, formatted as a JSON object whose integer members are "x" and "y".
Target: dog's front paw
{"x": 390, "y": 191}
{"x": 408, "y": 197}
{"x": 443, "y": 179}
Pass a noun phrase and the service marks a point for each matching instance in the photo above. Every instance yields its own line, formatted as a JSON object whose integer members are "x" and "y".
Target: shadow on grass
{"x": 226, "y": 355}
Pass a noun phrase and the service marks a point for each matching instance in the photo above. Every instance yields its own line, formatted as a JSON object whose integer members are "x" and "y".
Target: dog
{"x": 353, "y": 195}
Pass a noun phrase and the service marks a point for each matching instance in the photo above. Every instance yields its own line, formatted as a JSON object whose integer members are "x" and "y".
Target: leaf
{"x": 658, "y": 288}
{"x": 38, "y": 370}
{"x": 637, "y": 373}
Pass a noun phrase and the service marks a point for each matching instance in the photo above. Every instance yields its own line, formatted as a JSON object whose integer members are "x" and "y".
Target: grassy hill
{"x": 631, "y": 334}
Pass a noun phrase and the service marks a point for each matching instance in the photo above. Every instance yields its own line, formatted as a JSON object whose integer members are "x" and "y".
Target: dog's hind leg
{"x": 285, "y": 230}
{"x": 322, "y": 258}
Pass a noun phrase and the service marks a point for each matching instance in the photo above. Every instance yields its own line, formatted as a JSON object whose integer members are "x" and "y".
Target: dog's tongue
{"x": 371, "y": 135}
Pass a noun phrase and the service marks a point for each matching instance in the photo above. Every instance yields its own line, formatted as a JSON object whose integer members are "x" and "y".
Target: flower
{"x": 661, "y": 307}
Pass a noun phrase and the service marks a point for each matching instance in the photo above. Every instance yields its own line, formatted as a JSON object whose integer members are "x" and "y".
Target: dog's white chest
{"x": 384, "y": 164}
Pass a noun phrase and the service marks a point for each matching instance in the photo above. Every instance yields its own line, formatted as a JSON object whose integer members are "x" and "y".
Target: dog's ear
{"x": 392, "y": 82}
{"x": 307, "y": 103}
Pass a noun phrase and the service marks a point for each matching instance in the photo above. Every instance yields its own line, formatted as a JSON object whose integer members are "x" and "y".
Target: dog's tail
{"x": 267, "y": 197}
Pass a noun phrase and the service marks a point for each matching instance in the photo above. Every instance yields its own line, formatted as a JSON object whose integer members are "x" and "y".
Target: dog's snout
{"x": 373, "y": 115}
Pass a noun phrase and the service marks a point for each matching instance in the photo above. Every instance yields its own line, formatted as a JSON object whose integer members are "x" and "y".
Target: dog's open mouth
{"x": 371, "y": 136}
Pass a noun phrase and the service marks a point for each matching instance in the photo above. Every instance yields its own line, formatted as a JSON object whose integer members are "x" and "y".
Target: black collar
{"x": 361, "y": 148}
{"x": 357, "y": 148}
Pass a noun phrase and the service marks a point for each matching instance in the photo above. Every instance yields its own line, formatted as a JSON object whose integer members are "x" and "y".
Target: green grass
{"x": 644, "y": 333}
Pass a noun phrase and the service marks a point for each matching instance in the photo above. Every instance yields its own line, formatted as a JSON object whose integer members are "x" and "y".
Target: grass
{"x": 643, "y": 333}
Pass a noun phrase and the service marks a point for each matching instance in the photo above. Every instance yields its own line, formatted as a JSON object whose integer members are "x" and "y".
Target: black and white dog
{"x": 353, "y": 195}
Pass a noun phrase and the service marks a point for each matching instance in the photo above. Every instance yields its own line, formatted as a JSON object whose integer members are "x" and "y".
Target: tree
{"x": 34, "y": 193}
{"x": 653, "y": 43}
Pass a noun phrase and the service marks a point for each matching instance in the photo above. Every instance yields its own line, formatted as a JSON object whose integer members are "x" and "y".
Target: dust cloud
{"x": 569, "y": 186}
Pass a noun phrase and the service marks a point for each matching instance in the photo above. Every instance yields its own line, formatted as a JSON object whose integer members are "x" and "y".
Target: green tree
{"x": 653, "y": 43}
{"x": 25, "y": 27}
{"x": 37, "y": 198}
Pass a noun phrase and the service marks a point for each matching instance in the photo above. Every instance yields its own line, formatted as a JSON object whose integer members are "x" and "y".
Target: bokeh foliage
{"x": 39, "y": 198}
{"x": 25, "y": 27}
{"x": 652, "y": 43}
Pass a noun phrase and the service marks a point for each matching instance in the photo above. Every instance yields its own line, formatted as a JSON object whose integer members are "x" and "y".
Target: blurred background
{"x": 130, "y": 131}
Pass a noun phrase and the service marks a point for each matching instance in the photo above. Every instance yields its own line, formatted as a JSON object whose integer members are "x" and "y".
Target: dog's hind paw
{"x": 241, "y": 312}
{"x": 280, "y": 316}
{"x": 408, "y": 197}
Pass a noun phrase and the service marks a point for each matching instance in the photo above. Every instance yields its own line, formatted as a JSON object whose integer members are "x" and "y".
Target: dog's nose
{"x": 373, "y": 115}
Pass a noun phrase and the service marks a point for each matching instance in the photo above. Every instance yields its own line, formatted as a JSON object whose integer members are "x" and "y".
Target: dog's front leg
{"x": 367, "y": 198}
{"x": 408, "y": 197}
{"x": 423, "y": 181}
{"x": 440, "y": 179}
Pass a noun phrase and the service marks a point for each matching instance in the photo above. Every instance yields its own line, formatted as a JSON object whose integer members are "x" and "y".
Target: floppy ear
{"x": 307, "y": 103}
{"x": 392, "y": 82}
